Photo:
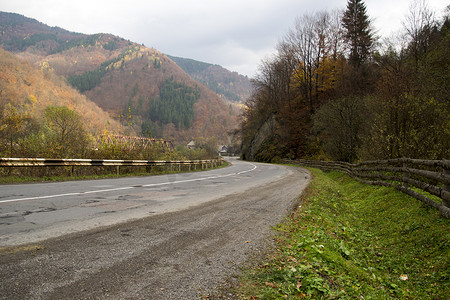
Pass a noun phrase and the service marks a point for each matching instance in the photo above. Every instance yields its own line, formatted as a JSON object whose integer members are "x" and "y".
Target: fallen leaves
{"x": 271, "y": 284}
{"x": 403, "y": 277}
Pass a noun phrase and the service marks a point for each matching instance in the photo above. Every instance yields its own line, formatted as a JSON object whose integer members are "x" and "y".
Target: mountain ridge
{"x": 231, "y": 86}
{"x": 122, "y": 77}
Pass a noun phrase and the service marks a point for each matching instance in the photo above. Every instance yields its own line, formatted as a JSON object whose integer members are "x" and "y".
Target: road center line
{"x": 127, "y": 187}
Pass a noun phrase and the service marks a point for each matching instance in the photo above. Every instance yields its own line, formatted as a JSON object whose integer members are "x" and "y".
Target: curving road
{"x": 162, "y": 237}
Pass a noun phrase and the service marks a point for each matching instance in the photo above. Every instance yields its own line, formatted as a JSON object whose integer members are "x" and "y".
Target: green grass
{"x": 349, "y": 240}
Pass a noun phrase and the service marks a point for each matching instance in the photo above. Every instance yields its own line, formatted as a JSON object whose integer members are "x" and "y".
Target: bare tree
{"x": 418, "y": 25}
{"x": 308, "y": 43}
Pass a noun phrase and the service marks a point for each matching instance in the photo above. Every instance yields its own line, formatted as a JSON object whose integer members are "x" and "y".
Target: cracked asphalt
{"x": 182, "y": 254}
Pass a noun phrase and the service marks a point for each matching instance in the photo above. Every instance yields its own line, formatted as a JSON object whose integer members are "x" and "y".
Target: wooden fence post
{"x": 405, "y": 175}
{"x": 445, "y": 208}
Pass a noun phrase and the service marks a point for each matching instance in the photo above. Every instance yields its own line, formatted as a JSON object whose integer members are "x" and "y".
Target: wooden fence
{"x": 44, "y": 162}
{"x": 133, "y": 142}
{"x": 416, "y": 177}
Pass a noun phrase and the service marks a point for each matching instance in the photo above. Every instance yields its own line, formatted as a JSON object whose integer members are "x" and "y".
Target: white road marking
{"x": 127, "y": 187}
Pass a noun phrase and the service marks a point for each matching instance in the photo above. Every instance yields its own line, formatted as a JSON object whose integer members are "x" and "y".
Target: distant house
{"x": 223, "y": 150}
{"x": 191, "y": 145}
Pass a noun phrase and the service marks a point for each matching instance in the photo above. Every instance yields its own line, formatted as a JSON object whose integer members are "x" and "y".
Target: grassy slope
{"x": 353, "y": 241}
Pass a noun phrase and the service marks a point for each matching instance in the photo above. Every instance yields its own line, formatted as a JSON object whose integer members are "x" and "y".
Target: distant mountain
{"x": 231, "y": 86}
{"x": 138, "y": 86}
{"x": 17, "y": 33}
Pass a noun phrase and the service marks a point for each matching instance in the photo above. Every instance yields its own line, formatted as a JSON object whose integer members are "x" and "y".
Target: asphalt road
{"x": 163, "y": 237}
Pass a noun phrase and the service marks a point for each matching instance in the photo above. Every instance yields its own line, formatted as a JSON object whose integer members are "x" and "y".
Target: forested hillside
{"x": 229, "y": 85}
{"x": 136, "y": 85}
{"x": 175, "y": 105}
{"x": 335, "y": 91}
{"x": 40, "y": 115}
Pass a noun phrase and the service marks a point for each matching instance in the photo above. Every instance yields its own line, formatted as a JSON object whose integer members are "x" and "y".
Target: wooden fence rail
{"x": 45, "y": 162}
{"x": 410, "y": 176}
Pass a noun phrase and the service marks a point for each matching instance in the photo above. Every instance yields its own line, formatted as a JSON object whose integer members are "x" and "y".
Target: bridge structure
{"x": 135, "y": 142}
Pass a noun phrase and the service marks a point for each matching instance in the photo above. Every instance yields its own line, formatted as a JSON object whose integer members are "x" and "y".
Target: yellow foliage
{"x": 327, "y": 73}
{"x": 32, "y": 99}
{"x": 45, "y": 66}
{"x": 323, "y": 77}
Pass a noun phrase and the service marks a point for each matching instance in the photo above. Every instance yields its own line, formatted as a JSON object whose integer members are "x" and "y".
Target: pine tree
{"x": 358, "y": 32}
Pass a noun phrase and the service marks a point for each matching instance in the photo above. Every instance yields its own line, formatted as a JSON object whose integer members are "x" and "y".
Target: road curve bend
{"x": 162, "y": 237}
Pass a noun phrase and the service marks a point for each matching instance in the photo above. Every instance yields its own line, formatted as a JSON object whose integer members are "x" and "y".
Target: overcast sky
{"x": 236, "y": 34}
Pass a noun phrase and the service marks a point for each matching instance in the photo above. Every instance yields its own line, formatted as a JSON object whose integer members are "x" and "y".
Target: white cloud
{"x": 236, "y": 34}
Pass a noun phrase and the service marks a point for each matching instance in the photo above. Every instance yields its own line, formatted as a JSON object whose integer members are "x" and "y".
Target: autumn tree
{"x": 291, "y": 86}
{"x": 327, "y": 93}
{"x": 307, "y": 42}
{"x": 313, "y": 49}
{"x": 66, "y": 135}
{"x": 15, "y": 124}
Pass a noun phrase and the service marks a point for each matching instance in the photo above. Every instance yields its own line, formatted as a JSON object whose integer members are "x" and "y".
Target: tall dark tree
{"x": 358, "y": 32}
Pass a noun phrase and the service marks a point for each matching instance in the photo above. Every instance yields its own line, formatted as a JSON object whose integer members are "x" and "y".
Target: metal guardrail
{"x": 405, "y": 174}
{"x": 50, "y": 162}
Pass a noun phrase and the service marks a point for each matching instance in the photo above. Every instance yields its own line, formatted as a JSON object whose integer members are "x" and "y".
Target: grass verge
{"x": 348, "y": 240}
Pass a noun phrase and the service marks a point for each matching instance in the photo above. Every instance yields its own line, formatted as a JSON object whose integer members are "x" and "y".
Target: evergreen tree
{"x": 175, "y": 104}
{"x": 358, "y": 32}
